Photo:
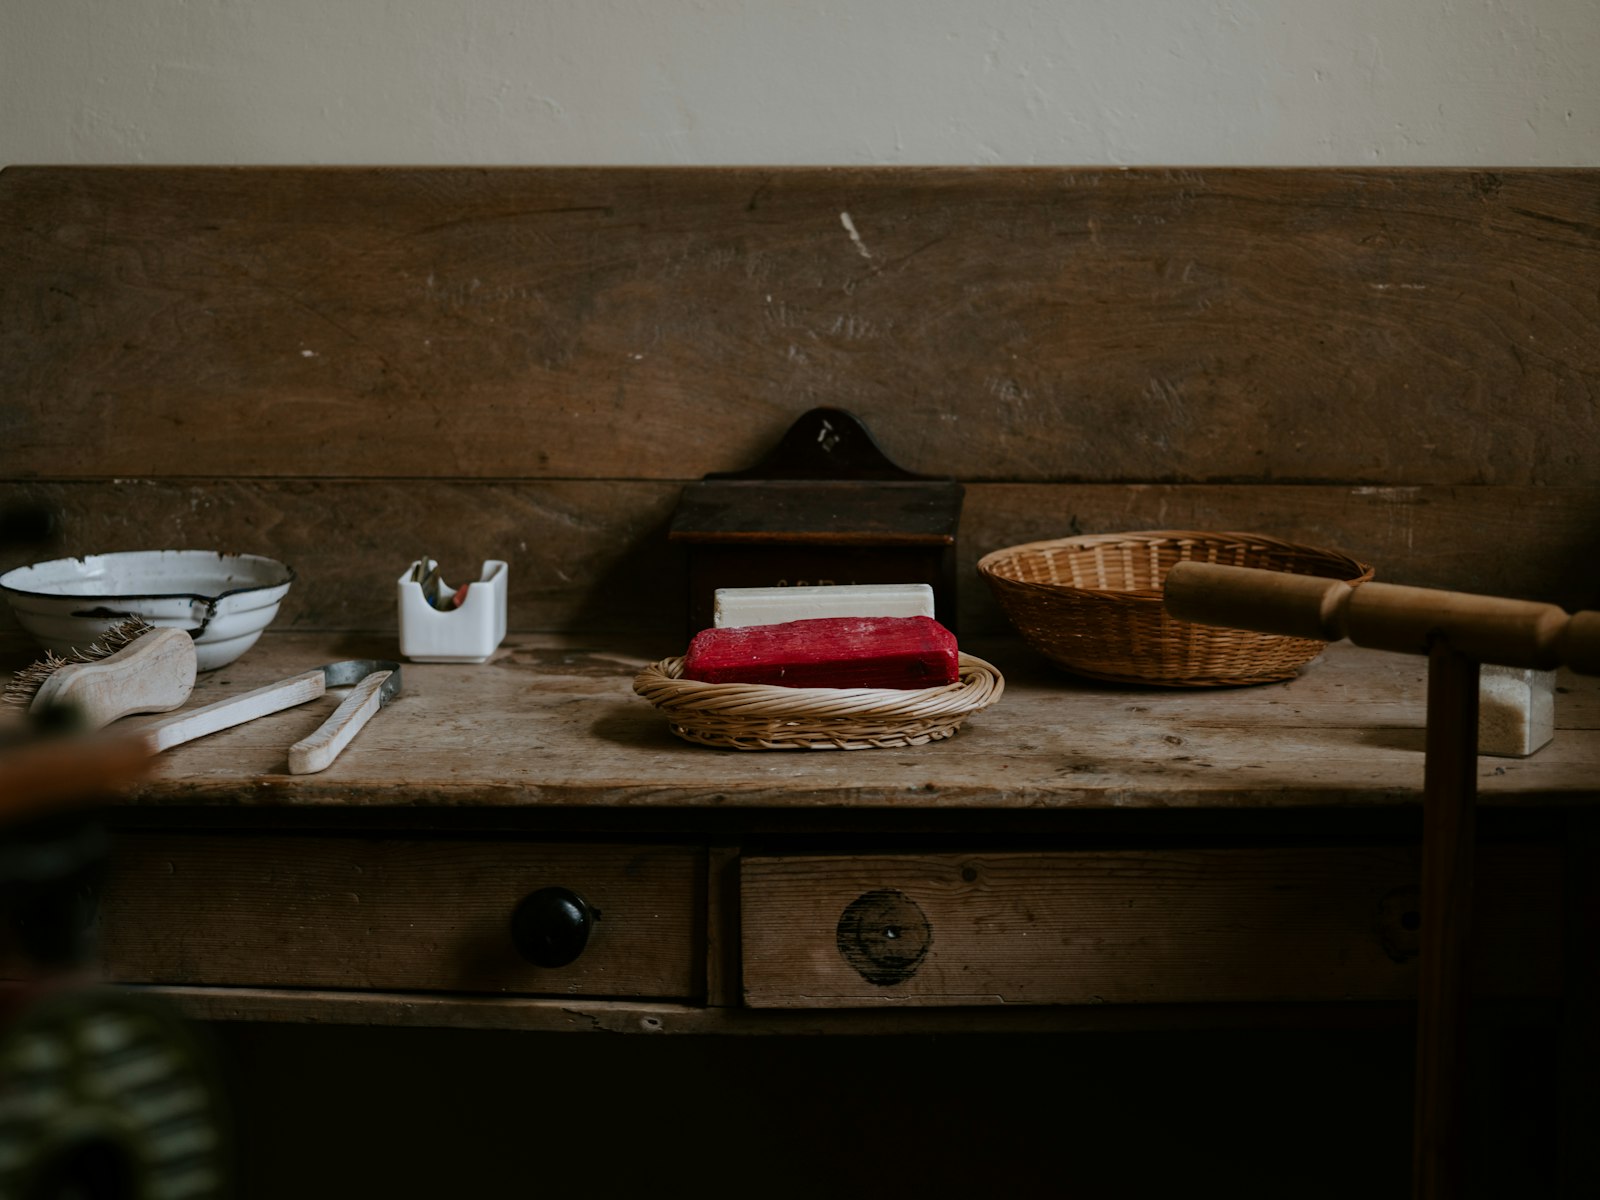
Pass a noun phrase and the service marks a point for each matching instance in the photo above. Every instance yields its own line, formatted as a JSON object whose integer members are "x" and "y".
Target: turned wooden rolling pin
{"x": 1385, "y": 616}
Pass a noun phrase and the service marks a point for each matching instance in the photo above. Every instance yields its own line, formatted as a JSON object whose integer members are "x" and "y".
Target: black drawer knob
{"x": 551, "y": 927}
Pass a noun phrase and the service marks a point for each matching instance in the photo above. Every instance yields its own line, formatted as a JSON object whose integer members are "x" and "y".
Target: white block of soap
{"x": 1516, "y": 710}
{"x": 736, "y": 607}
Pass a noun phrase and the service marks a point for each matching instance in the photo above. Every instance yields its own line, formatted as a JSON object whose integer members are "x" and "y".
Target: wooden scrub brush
{"x": 133, "y": 668}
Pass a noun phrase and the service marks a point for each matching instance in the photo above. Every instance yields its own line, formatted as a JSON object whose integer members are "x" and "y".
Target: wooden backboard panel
{"x": 593, "y": 555}
{"x": 1383, "y": 327}
{"x": 334, "y": 365}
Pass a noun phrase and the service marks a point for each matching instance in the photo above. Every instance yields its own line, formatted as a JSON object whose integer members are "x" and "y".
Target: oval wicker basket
{"x": 750, "y": 716}
{"x": 1093, "y": 605}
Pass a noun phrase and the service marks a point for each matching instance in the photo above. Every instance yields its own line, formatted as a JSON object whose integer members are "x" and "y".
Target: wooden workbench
{"x": 1080, "y": 854}
{"x": 341, "y": 368}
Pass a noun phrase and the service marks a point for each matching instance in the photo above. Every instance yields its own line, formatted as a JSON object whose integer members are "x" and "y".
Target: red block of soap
{"x": 833, "y": 652}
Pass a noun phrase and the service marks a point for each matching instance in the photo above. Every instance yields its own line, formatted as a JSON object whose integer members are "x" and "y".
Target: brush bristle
{"x": 25, "y": 684}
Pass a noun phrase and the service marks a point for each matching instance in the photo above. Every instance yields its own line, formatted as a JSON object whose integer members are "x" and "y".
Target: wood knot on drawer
{"x": 885, "y": 936}
{"x": 1399, "y": 923}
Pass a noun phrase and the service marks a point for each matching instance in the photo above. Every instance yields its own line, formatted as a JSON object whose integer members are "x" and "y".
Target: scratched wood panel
{"x": 1127, "y": 927}
{"x": 551, "y": 725}
{"x": 581, "y": 1015}
{"x": 1527, "y": 542}
{"x": 581, "y": 554}
{"x": 1388, "y": 327}
{"x": 592, "y": 556}
{"x": 395, "y": 914}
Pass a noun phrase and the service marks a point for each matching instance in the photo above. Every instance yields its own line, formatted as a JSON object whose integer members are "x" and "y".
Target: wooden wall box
{"x": 827, "y": 506}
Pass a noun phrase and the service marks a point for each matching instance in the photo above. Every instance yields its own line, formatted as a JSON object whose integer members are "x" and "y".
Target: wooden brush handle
{"x": 1514, "y": 633}
{"x": 318, "y": 750}
{"x": 1303, "y": 606}
{"x": 1579, "y": 643}
{"x": 225, "y": 714}
{"x": 153, "y": 673}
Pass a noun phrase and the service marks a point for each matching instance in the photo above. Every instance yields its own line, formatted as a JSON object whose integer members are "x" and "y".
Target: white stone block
{"x": 1516, "y": 710}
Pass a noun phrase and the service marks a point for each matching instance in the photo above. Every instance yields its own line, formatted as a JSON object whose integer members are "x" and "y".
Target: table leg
{"x": 1580, "y": 1033}
{"x": 1448, "y": 830}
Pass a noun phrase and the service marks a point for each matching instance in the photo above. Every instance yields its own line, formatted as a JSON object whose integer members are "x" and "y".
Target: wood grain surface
{"x": 553, "y": 724}
{"x": 590, "y": 556}
{"x": 583, "y": 1015}
{"x": 1119, "y": 927}
{"x": 396, "y": 914}
{"x": 345, "y": 368}
{"x": 1384, "y": 327}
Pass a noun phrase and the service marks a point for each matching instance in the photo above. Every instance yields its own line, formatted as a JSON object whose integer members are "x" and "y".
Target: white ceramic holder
{"x": 468, "y": 634}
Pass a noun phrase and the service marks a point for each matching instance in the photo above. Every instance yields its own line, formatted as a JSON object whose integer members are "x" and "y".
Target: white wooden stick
{"x": 316, "y": 751}
{"x": 225, "y": 714}
{"x": 153, "y": 673}
{"x": 774, "y": 605}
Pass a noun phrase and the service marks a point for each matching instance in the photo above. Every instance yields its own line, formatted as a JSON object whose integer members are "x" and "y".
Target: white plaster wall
{"x": 1246, "y": 82}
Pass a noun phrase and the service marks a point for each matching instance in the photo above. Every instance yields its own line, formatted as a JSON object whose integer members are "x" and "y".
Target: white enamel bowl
{"x": 224, "y": 600}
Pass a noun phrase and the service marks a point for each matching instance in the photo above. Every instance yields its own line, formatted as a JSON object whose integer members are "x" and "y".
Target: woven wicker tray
{"x": 748, "y": 716}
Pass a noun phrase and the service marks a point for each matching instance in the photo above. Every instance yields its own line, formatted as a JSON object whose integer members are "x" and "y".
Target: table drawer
{"x": 1126, "y": 926}
{"x": 272, "y": 910}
